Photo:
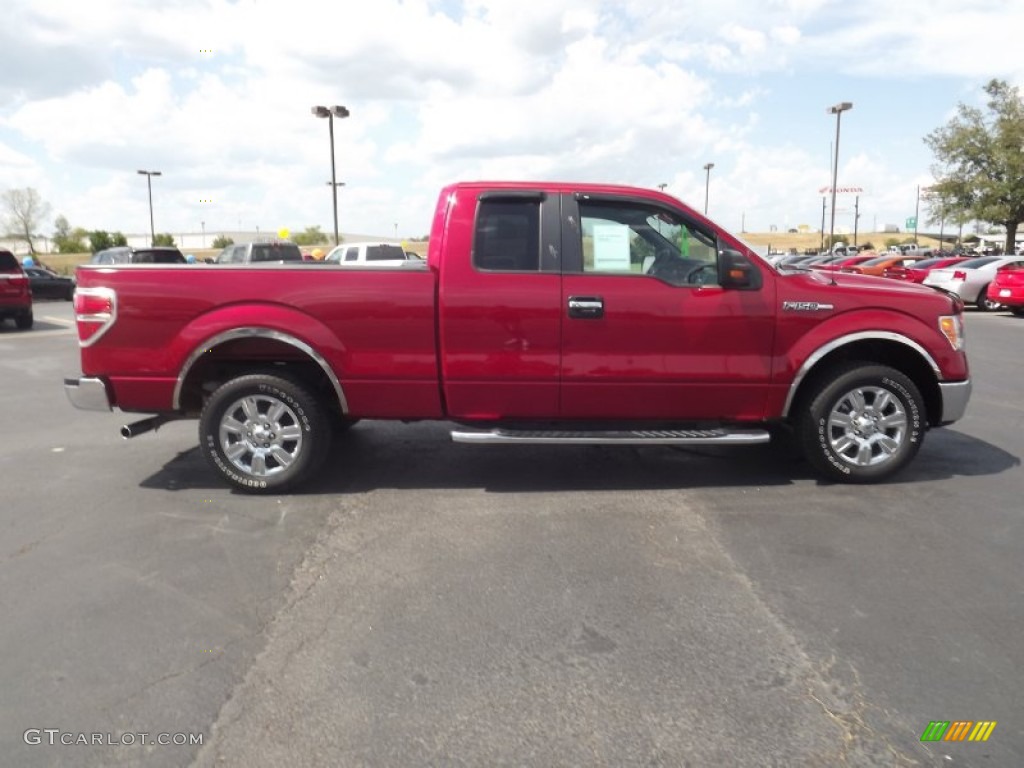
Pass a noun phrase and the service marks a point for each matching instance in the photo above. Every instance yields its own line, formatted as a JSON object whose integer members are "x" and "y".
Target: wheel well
{"x": 238, "y": 357}
{"x": 883, "y": 352}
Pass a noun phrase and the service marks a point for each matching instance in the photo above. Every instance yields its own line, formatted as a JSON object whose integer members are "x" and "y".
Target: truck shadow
{"x": 383, "y": 455}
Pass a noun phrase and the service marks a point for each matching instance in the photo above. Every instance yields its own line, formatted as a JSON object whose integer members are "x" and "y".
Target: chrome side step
{"x": 626, "y": 437}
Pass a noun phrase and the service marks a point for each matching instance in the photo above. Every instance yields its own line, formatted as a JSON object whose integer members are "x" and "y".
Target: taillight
{"x": 959, "y": 274}
{"x": 95, "y": 312}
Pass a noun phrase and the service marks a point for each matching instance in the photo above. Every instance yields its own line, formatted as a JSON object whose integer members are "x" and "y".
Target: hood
{"x": 844, "y": 289}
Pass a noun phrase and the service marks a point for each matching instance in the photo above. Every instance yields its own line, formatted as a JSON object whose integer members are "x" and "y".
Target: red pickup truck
{"x": 544, "y": 313}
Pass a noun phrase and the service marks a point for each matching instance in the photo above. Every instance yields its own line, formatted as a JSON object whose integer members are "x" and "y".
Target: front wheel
{"x": 862, "y": 425}
{"x": 263, "y": 433}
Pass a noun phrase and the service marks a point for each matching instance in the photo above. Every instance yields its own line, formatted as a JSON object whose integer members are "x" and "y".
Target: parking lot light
{"x": 149, "y": 183}
{"x": 836, "y": 110}
{"x": 330, "y": 113}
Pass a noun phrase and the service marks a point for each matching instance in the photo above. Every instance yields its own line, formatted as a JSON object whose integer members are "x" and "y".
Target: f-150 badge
{"x": 804, "y": 306}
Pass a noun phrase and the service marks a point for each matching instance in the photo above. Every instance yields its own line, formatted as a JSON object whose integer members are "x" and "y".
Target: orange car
{"x": 877, "y": 266}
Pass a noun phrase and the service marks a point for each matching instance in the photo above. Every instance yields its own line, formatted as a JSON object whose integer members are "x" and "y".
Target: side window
{"x": 352, "y": 253}
{"x": 238, "y": 255}
{"x": 507, "y": 237}
{"x": 637, "y": 239}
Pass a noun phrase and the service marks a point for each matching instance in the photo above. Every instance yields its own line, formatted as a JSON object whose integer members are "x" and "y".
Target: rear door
{"x": 647, "y": 333}
{"x": 499, "y": 308}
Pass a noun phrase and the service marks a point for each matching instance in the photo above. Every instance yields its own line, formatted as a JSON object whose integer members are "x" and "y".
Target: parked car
{"x": 255, "y": 253}
{"x": 879, "y": 264}
{"x": 916, "y": 273}
{"x": 15, "y": 296}
{"x": 126, "y": 254}
{"x": 551, "y": 314}
{"x": 370, "y": 254}
{"x": 845, "y": 261}
{"x": 970, "y": 279}
{"x": 1008, "y": 288}
{"x": 46, "y": 284}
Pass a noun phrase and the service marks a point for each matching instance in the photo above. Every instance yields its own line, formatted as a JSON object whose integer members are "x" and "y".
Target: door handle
{"x": 586, "y": 307}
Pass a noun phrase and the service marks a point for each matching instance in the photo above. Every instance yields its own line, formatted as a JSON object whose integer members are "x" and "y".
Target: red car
{"x": 917, "y": 272}
{"x": 1008, "y": 289}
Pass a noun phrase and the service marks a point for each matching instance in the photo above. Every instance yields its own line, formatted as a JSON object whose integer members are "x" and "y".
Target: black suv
{"x": 124, "y": 254}
{"x": 15, "y": 296}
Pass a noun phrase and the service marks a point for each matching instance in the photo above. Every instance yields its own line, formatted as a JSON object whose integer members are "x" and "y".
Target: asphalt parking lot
{"x": 427, "y": 603}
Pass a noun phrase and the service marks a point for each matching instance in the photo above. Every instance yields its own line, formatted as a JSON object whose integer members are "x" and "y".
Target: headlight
{"x": 952, "y": 327}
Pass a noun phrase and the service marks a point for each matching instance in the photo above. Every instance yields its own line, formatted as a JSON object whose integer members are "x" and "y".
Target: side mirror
{"x": 736, "y": 271}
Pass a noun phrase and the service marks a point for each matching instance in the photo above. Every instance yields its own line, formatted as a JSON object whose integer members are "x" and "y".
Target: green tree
{"x": 118, "y": 238}
{"x": 979, "y": 161}
{"x": 311, "y": 236}
{"x": 222, "y": 241}
{"x": 99, "y": 240}
{"x": 23, "y": 211}
{"x": 66, "y": 239}
{"x": 163, "y": 238}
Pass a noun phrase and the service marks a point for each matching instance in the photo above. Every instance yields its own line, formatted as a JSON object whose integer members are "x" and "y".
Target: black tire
{"x": 264, "y": 433}
{"x": 1017, "y": 311}
{"x": 862, "y": 424}
{"x": 24, "y": 320}
{"x": 984, "y": 303}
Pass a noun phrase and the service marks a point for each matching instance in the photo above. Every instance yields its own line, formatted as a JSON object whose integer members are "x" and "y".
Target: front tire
{"x": 862, "y": 425}
{"x": 263, "y": 433}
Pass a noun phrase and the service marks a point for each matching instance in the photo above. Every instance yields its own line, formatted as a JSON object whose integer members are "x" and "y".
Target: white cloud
{"x": 216, "y": 94}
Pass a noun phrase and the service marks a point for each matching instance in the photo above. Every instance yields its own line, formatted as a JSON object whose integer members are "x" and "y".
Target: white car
{"x": 368, "y": 254}
{"x": 969, "y": 279}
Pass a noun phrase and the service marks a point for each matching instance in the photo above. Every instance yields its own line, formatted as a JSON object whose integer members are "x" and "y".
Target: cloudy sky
{"x": 216, "y": 94}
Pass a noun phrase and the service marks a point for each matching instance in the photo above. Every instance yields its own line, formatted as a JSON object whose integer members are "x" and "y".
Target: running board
{"x": 626, "y": 437}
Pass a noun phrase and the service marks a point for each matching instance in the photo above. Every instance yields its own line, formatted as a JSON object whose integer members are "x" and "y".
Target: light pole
{"x": 662, "y": 186}
{"x": 330, "y": 113}
{"x": 836, "y": 110}
{"x": 707, "y": 184}
{"x": 149, "y": 184}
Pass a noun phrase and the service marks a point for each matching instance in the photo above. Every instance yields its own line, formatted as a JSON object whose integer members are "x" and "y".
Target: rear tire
{"x": 863, "y": 424}
{"x": 24, "y": 320}
{"x": 1017, "y": 311}
{"x": 985, "y": 304}
{"x": 264, "y": 433}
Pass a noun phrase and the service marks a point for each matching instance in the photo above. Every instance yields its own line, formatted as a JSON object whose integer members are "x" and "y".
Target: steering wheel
{"x": 696, "y": 276}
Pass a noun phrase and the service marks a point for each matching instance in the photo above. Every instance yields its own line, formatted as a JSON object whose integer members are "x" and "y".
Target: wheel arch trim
{"x": 826, "y": 349}
{"x": 257, "y": 333}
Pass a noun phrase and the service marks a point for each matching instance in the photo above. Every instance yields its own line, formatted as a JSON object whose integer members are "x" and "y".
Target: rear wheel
{"x": 863, "y": 424}
{"x": 24, "y": 320}
{"x": 986, "y": 304}
{"x": 263, "y": 433}
{"x": 1018, "y": 311}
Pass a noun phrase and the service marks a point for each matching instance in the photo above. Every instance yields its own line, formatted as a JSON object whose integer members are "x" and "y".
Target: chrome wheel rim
{"x": 867, "y": 426}
{"x": 260, "y": 435}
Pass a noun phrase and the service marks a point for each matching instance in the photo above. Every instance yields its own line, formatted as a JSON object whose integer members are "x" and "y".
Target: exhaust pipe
{"x": 151, "y": 424}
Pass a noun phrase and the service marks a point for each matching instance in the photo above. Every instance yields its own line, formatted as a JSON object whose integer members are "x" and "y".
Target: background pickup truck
{"x": 544, "y": 313}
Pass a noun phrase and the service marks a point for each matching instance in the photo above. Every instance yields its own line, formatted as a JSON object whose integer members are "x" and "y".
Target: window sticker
{"x": 611, "y": 248}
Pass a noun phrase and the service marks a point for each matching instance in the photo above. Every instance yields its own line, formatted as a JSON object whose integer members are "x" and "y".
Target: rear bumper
{"x": 87, "y": 393}
{"x": 954, "y": 399}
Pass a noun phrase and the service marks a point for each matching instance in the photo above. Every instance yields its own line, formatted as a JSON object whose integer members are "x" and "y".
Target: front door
{"x": 647, "y": 332}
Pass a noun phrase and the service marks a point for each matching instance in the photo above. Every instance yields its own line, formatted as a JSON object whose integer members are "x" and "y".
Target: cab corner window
{"x": 637, "y": 239}
{"x": 507, "y": 237}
